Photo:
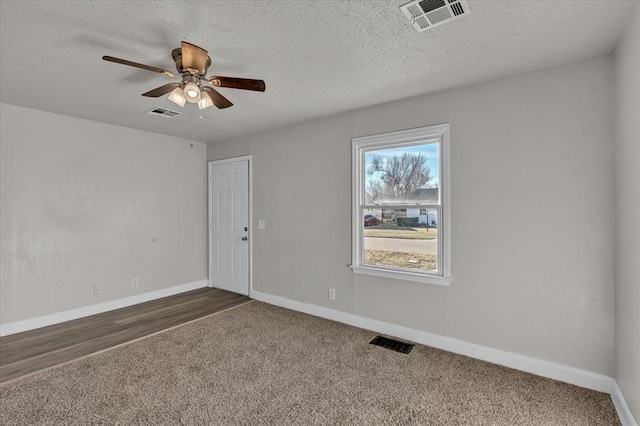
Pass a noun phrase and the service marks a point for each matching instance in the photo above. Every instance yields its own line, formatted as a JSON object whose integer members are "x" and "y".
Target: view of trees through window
{"x": 401, "y": 206}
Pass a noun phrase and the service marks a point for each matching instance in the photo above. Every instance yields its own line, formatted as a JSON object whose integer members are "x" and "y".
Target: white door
{"x": 229, "y": 222}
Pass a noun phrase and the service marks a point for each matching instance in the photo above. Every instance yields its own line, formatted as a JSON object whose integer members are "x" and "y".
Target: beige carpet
{"x": 259, "y": 364}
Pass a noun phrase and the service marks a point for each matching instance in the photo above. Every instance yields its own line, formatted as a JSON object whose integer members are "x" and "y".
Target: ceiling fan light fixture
{"x": 192, "y": 63}
{"x": 177, "y": 97}
{"x": 192, "y": 92}
{"x": 205, "y": 101}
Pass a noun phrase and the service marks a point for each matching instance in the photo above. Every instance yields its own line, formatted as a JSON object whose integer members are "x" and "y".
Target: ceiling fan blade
{"x": 137, "y": 65}
{"x": 238, "y": 83}
{"x": 218, "y": 100}
{"x": 194, "y": 58}
{"x": 162, "y": 90}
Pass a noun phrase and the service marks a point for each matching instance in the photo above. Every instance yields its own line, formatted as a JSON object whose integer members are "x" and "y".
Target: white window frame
{"x": 431, "y": 134}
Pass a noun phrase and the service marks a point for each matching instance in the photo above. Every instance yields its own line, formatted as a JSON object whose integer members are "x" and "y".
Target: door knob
{"x": 245, "y": 238}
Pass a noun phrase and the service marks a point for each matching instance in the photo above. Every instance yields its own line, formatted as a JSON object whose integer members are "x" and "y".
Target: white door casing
{"x": 229, "y": 225}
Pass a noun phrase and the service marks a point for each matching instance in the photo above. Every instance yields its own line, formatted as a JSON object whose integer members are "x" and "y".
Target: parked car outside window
{"x": 370, "y": 220}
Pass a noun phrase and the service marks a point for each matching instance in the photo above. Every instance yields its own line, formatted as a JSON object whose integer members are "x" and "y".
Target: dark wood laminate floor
{"x": 35, "y": 350}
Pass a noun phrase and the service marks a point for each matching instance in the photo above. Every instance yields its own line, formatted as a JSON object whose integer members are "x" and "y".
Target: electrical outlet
{"x": 134, "y": 283}
{"x": 96, "y": 290}
{"x": 332, "y": 294}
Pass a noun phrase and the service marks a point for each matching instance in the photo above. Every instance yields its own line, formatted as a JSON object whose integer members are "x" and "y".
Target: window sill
{"x": 401, "y": 275}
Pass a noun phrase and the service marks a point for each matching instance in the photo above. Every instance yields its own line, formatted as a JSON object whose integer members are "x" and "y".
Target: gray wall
{"x": 532, "y": 214}
{"x": 627, "y": 320}
{"x": 81, "y": 204}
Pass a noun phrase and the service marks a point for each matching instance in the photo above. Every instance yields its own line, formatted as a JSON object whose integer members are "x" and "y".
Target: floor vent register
{"x": 394, "y": 345}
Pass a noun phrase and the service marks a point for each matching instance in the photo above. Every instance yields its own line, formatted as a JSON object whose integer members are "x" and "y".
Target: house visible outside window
{"x": 401, "y": 205}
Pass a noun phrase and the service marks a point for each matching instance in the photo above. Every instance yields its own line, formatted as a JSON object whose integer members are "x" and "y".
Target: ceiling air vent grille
{"x": 427, "y": 14}
{"x": 414, "y": 10}
{"x": 457, "y": 9}
{"x": 422, "y": 22}
{"x": 429, "y": 5}
{"x": 161, "y": 112}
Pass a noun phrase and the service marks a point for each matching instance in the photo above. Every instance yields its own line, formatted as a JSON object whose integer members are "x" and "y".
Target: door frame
{"x": 210, "y": 166}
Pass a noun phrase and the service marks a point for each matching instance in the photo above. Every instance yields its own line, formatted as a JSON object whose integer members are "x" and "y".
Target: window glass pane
{"x": 403, "y": 175}
{"x": 401, "y": 238}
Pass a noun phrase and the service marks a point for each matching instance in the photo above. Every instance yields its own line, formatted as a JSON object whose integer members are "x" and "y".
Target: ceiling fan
{"x": 192, "y": 63}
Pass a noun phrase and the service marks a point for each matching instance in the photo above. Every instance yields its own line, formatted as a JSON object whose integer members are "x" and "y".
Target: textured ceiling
{"x": 317, "y": 57}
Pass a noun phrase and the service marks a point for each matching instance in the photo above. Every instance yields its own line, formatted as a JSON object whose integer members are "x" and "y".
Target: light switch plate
{"x": 261, "y": 224}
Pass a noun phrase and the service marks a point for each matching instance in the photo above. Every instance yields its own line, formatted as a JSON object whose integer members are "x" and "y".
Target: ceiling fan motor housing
{"x": 177, "y": 58}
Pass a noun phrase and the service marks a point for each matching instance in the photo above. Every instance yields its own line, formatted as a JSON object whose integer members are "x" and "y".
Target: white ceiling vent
{"x": 161, "y": 112}
{"x": 426, "y": 14}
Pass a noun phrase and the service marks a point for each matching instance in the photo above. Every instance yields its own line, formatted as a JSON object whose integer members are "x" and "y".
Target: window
{"x": 401, "y": 205}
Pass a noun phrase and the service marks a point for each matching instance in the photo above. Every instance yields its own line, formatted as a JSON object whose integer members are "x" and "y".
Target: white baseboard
{"x": 85, "y": 311}
{"x": 563, "y": 373}
{"x": 624, "y": 412}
